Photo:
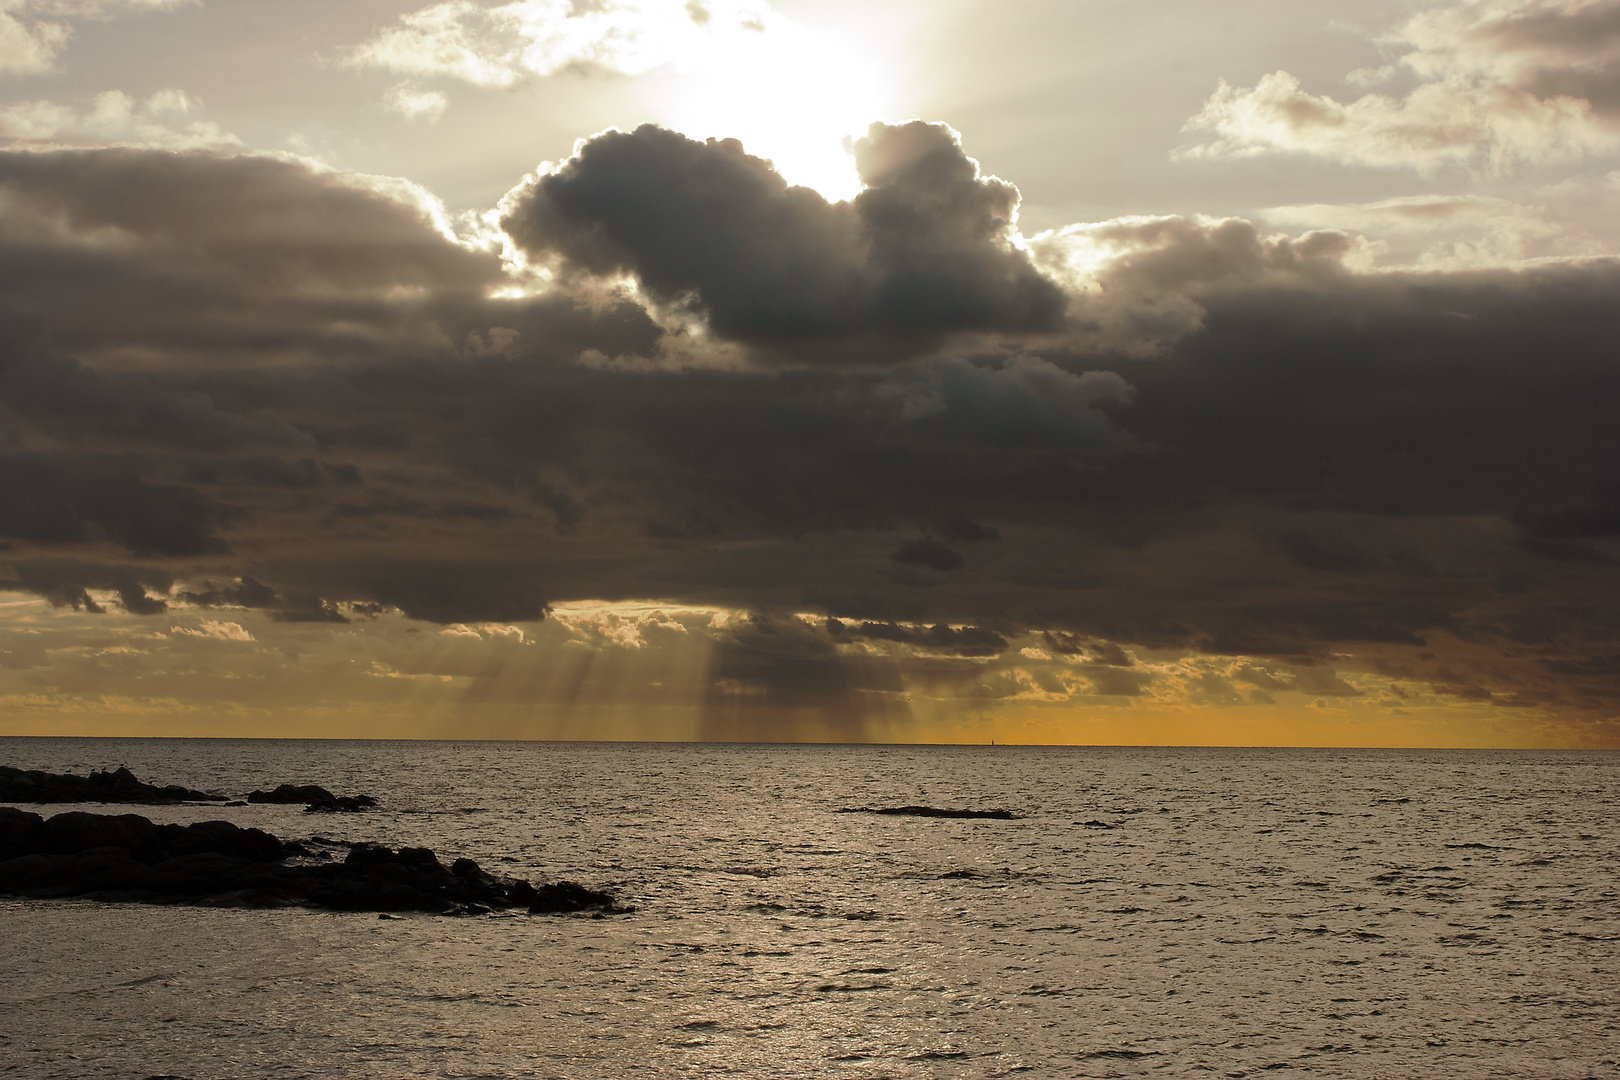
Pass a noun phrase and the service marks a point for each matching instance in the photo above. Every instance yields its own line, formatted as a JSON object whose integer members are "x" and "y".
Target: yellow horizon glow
{"x": 644, "y": 670}
{"x": 1277, "y": 727}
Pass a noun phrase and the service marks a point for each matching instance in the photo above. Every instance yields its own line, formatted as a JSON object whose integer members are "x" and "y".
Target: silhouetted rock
{"x": 23, "y": 833}
{"x": 291, "y": 794}
{"x": 20, "y": 832}
{"x": 565, "y": 896}
{"x": 128, "y": 858}
{"x": 316, "y": 799}
{"x": 117, "y": 786}
{"x": 929, "y": 811}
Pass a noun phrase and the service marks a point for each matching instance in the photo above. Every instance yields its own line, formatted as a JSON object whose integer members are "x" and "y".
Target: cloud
{"x": 33, "y": 33}
{"x": 115, "y": 117}
{"x": 926, "y": 250}
{"x": 1554, "y": 48}
{"x": 939, "y": 638}
{"x": 1138, "y": 280}
{"x": 782, "y": 677}
{"x": 219, "y": 631}
{"x": 1222, "y": 446}
{"x": 237, "y": 256}
{"x": 68, "y": 499}
{"x": 927, "y": 552}
{"x": 1437, "y": 232}
{"x": 501, "y": 45}
{"x": 66, "y": 583}
{"x": 29, "y": 46}
{"x": 1025, "y": 401}
{"x": 1437, "y": 125}
{"x": 130, "y": 408}
{"x": 413, "y": 102}
{"x": 1501, "y": 84}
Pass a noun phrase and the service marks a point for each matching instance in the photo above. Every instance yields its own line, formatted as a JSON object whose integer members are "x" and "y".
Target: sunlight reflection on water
{"x": 1155, "y": 912}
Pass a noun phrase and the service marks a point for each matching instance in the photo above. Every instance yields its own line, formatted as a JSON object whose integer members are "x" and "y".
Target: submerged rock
{"x": 116, "y": 786}
{"x": 215, "y": 863}
{"x": 929, "y": 811}
{"x": 316, "y": 799}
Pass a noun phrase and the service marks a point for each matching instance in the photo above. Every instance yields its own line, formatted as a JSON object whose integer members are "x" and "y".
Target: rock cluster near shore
{"x": 115, "y": 786}
{"x": 122, "y": 786}
{"x": 125, "y": 857}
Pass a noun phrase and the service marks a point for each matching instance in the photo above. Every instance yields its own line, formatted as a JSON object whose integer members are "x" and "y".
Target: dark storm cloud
{"x": 960, "y": 528}
{"x": 197, "y": 256}
{"x": 247, "y": 592}
{"x": 253, "y": 219}
{"x": 462, "y": 586}
{"x": 1025, "y": 401}
{"x": 780, "y": 679}
{"x": 1234, "y": 446}
{"x": 276, "y": 472}
{"x": 927, "y": 552}
{"x": 233, "y": 284}
{"x": 921, "y": 253}
{"x": 1102, "y": 652}
{"x": 64, "y": 582}
{"x": 132, "y": 408}
{"x": 956, "y": 641}
{"x": 50, "y": 500}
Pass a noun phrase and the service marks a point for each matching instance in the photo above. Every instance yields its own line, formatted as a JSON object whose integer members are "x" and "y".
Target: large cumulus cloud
{"x": 924, "y": 251}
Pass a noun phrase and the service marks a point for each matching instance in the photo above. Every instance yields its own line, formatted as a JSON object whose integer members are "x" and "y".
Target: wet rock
{"x": 19, "y": 832}
{"x": 566, "y": 896}
{"x": 316, "y": 799}
{"x": 291, "y": 794}
{"x": 970, "y": 875}
{"x": 215, "y": 863}
{"x": 23, "y": 833}
{"x": 116, "y": 786}
{"x": 930, "y": 811}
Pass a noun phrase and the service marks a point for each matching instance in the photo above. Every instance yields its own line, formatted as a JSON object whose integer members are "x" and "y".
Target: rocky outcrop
{"x": 215, "y": 863}
{"x": 116, "y": 786}
{"x": 316, "y": 799}
{"x": 929, "y": 811}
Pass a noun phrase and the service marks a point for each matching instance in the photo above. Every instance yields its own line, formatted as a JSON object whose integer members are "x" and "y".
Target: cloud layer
{"x": 1151, "y": 459}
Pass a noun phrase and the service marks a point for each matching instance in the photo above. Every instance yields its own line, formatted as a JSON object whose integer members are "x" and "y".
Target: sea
{"x": 1150, "y": 912}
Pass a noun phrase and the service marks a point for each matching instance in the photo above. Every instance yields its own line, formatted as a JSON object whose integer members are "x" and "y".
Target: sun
{"x": 793, "y": 96}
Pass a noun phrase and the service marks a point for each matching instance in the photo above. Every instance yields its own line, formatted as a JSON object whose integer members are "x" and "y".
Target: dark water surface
{"x": 1246, "y": 912}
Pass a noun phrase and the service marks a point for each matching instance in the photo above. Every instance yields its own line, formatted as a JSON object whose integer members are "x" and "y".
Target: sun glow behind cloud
{"x": 723, "y": 68}
{"x": 795, "y": 98}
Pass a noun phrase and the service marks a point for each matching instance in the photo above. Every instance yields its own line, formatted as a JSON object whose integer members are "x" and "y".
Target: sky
{"x": 1057, "y": 372}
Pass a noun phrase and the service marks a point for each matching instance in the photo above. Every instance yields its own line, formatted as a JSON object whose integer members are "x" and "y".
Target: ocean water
{"x": 1156, "y": 912}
